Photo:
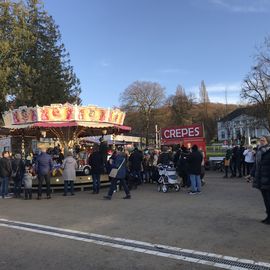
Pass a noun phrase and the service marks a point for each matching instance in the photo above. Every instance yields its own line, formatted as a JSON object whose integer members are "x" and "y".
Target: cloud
{"x": 105, "y": 63}
{"x": 243, "y": 6}
{"x": 217, "y": 92}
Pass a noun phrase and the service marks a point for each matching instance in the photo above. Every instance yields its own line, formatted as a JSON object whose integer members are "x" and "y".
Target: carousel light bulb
{"x": 88, "y": 178}
{"x": 57, "y": 180}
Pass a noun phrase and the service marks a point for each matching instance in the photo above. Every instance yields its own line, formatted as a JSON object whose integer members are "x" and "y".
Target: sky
{"x": 113, "y": 43}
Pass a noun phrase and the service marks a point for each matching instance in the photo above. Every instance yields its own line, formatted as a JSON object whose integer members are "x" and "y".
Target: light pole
{"x": 157, "y": 136}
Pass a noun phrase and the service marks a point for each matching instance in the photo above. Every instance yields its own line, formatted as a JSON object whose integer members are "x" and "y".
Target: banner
{"x": 92, "y": 114}
{"x": 56, "y": 113}
{"x": 63, "y": 113}
{"x": 24, "y": 115}
{"x": 182, "y": 132}
{"x": 116, "y": 116}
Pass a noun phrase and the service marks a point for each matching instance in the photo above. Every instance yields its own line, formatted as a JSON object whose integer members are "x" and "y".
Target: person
{"x": 177, "y": 155}
{"x": 154, "y": 163}
{"x": 69, "y": 173}
{"x": 234, "y": 161}
{"x": 97, "y": 166}
{"x": 261, "y": 173}
{"x": 119, "y": 163}
{"x": 135, "y": 165}
{"x": 28, "y": 182}
{"x": 44, "y": 166}
{"x": 5, "y": 174}
{"x": 29, "y": 159}
{"x": 242, "y": 164}
{"x": 109, "y": 164}
{"x": 202, "y": 167}
{"x": 227, "y": 162}
{"x": 17, "y": 174}
{"x": 238, "y": 160}
{"x": 147, "y": 166}
{"x": 249, "y": 158}
{"x": 103, "y": 149}
{"x": 194, "y": 169}
{"x": 165, "y": 158}
{"x": 182, "y": 166}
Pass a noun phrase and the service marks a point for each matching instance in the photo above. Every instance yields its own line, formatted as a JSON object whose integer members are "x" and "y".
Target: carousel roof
{"x": 63, "y": 120}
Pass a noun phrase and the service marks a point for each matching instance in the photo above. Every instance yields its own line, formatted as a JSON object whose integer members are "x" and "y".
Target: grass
{"x": 215, "y": 154}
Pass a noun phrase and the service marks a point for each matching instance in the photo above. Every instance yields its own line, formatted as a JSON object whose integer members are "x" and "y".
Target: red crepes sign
{"x": 182, "y": 132}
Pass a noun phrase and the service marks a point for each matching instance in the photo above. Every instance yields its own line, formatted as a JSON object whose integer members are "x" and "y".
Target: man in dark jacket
{"x": 44, "y": 166}
{"x": 135, "y": 165}
{"x": 103, "y": 149}
{"x": 182, "y": 166}
{"x": 194, "y": 168}
{"x": 165, "y": 158}
{"x": 97, "y": 165}
{"x": 17, "y": 174}
{"x": 261, "y": 173}
{"x": 5, "y": 174}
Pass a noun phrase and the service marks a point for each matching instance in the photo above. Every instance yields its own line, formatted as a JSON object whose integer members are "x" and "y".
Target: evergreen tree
{"x": 203, "y": 94}
{"x": 38, "y": 70}
{"x": 15, "y": 38}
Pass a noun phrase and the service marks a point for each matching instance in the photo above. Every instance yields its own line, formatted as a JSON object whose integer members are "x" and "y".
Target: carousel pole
{"x": 114, "y": 141}
{"x": 23, "y": 147}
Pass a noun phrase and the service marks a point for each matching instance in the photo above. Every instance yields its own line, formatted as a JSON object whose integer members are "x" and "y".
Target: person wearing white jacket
{"x": 249, "y": 155}
{"x": 69, "y": 173}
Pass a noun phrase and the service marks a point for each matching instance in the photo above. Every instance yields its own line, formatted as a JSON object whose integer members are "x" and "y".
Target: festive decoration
{"x": 63, "y": 113}
{"x": 66, "y": 122}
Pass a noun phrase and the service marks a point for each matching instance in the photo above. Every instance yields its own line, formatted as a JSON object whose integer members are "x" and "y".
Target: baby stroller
{"x": 168, "y": 178}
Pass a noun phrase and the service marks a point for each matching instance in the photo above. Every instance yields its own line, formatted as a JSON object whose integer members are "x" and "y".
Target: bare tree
{"x": 256, "y": 87}
{"x": 143, "y": 96}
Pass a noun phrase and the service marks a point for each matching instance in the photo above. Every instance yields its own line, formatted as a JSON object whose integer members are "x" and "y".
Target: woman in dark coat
{"x": 261, "y": 173}
{"x": 119, "y": 163}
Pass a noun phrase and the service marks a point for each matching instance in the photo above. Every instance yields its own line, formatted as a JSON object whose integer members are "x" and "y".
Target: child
{"x": 27, "y": 180}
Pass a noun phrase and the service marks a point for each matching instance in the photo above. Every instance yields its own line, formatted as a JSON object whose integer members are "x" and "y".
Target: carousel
{"x": 65, "y": 123}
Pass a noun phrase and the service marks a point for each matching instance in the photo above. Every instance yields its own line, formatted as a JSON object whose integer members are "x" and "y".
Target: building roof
{"x": 234, "y": 114}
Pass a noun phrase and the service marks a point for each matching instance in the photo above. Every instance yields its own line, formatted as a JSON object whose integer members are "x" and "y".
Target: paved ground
{"x": 224, "y": 219}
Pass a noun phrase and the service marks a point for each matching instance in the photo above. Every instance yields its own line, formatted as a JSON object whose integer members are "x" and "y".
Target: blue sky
{"x": 113, "y": 43}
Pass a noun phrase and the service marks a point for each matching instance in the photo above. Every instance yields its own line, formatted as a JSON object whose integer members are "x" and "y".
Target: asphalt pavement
{"x": 224, "y": 219}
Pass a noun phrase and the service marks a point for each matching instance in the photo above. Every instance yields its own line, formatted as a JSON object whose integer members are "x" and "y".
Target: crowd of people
{"x": 254, "y": 164}
{"x": 133, "y": 169}
{"x": 239, "y": 160}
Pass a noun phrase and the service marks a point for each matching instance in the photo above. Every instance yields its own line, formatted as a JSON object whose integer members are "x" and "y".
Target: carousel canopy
{"x": 63, "y": 121}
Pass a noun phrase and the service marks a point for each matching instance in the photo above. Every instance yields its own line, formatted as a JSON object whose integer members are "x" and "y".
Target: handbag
{"x": 114, "y": 171}
{"x": 227, "y": 162}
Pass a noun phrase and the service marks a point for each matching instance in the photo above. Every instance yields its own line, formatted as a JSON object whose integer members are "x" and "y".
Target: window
{"x": 222, "y": 134}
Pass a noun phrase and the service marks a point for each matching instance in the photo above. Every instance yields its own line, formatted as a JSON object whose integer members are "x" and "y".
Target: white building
{"x": 240, "y": 123}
